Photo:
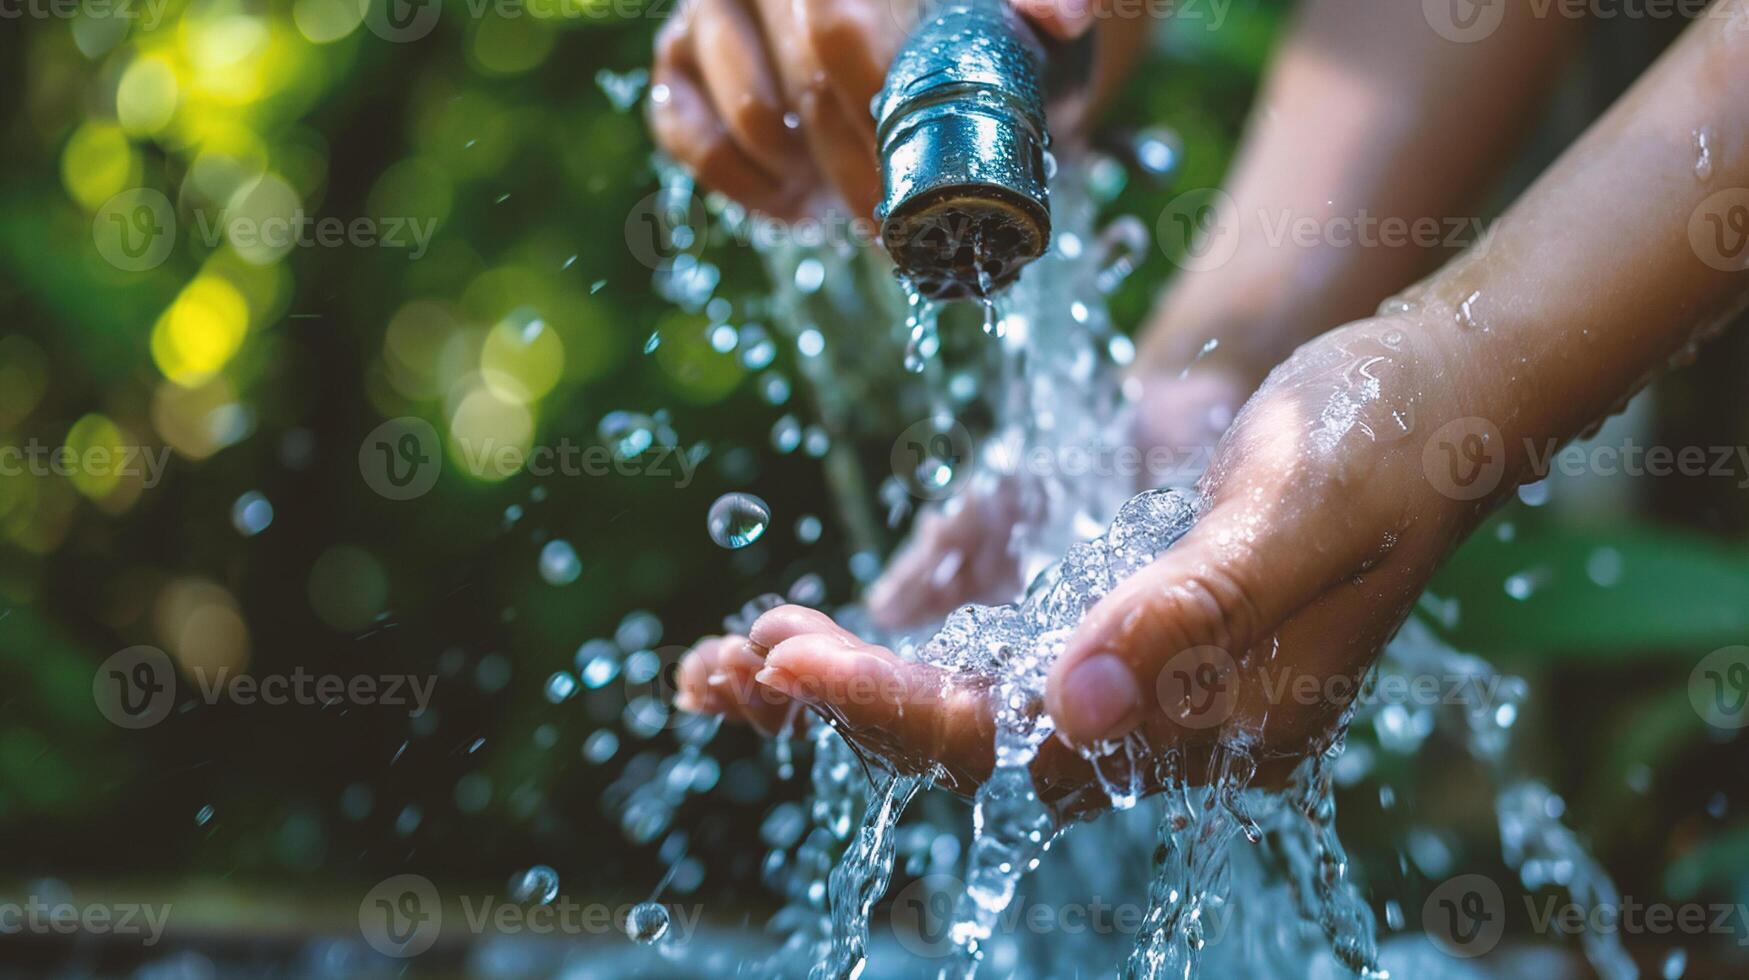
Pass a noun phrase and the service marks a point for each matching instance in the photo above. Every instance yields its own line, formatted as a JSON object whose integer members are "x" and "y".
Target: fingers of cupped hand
{"x": 1168, "y": 645}
{"x": 718, "y": 676}
{"x": 914, "y": 713}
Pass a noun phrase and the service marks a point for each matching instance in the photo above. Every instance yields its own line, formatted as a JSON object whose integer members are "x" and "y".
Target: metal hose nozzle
{"x": 960, "y": 128}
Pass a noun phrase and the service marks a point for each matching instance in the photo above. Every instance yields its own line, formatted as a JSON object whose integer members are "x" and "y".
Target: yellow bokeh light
{"x": 98, "y": 164}
{"x": 97, "y": 449}
{"x": 200, "y": 331}
{"x": 146, "y": 97}
{"x": 327, "y": 21}
{"x": 523, "y": 357}
{"x": 490, "y": 437}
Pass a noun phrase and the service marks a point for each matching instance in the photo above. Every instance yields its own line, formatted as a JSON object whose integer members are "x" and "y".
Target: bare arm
{"x": 1366, "y": 110}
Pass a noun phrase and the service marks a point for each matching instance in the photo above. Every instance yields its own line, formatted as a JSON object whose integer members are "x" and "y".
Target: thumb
{"x": 1190, "y": 618}
{"x": 1064, "y": 20}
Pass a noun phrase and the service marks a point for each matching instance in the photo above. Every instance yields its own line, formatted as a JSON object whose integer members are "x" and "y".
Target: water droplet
{"x": 811, "y": 342}
{"x": 723, "y": 338}
{"x": 1520, "y": 586}
{"x": 559, "y": 564}
{"x": 1604, "y": 567}
{"x": 737, "y": 520}
{"x": 204, "y": 816}
{"x": 774, "y": 388}
{"x": 639, "y": 630}
{"x": 538, "y": 885}
{"x": 623, "y": 88}
{"x": 626, "y": 433}
{"x": 1703, "y": 159}
{"x": 251, "y": 514}
{"x": 654, "y": 342}
{"x": 808, "y": 529}
{"x": 758, "y": 350}
{"x": 786, "y": 434}
{"x": 815, "y": 442}
{"x": 810, "y": 276}
{"x": 792, "y": 121}
{"x": 601, "y": 746}
{"x": 647, "y": 923}
{"x": 560, "y": 687}
{"x": 809, "y": 590}
{"x": 1156, "y": 152}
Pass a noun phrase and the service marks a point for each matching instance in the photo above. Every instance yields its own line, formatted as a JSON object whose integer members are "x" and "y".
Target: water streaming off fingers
{"x": 1226, "y": 879}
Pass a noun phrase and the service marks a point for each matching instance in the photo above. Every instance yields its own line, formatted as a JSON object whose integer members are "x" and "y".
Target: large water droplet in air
{"x": 647, "y": 923}
{"x": 738, "y": 519}
{"x": 536, "y": 886}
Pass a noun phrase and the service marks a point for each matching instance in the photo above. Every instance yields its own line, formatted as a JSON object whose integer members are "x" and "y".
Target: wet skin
{"x": 1326, "y": 518}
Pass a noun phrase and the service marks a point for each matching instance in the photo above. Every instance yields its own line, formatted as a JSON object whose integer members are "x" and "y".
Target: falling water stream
{"x": 1236, "y": 880}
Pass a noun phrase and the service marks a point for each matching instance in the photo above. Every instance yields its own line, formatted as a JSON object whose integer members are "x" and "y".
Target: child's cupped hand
{"x": 1322, "y": 527}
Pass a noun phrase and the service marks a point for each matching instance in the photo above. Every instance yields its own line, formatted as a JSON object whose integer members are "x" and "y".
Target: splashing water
{"x": 1236, "y": 880}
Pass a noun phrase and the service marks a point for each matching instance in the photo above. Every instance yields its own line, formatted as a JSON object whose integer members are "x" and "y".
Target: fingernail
{"x": 781, "y": 681}
{"x": 1099, "y": 698}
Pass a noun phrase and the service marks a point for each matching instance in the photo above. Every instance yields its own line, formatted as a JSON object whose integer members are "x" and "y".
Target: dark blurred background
{"x": 261, "y": 372}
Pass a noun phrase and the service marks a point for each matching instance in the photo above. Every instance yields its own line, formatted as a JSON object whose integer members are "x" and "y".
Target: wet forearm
{"x": 1370, "y": 121}
{"x": 1622, "y": 255}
